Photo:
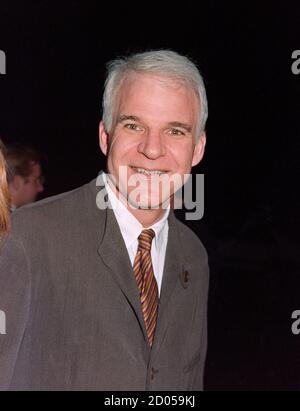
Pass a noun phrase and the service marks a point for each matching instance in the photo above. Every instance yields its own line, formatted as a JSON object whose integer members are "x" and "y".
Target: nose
{"x": 152, "y": 145}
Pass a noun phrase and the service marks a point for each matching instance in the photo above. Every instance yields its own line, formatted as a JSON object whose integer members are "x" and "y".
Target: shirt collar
{"x": 130, "y": 227}
{"x": 12, "y": 208}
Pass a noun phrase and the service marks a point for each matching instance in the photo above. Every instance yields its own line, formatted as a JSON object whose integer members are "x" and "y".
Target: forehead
{"x": 157, "y": 95}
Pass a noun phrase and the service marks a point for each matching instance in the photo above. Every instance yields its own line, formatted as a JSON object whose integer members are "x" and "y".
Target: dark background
{"x": 51, "y": 97}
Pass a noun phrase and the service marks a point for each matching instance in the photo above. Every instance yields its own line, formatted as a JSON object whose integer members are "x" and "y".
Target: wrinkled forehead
{"x": 133, "y": 83}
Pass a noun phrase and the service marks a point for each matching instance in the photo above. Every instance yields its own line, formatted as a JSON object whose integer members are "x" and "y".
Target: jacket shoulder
{"x": 55, "y": 209}
{"x": 193, "y": 247}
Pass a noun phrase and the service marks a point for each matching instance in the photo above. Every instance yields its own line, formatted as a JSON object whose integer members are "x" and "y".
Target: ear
{"x": 103, "y": 138}
{"x": 199, "y": 149}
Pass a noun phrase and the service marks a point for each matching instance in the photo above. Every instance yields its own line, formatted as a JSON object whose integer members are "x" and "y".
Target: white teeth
{"x": 147, "y": 172}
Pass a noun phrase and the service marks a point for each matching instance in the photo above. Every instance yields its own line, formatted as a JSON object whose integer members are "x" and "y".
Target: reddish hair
{"x": 4, "y": 195}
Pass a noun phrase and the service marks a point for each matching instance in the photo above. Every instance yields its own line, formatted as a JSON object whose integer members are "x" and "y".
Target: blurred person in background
{"x": 25, "y": 179}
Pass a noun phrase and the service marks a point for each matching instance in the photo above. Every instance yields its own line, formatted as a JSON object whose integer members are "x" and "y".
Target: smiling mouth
{"x": 146, "y": 172}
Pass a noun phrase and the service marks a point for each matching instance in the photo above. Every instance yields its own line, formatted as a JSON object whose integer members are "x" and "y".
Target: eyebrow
{"x": 124, "y": 117}
{"x": 187, "y": 127}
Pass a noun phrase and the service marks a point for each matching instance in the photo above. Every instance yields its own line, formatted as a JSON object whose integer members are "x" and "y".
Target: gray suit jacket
{"x": 73, "y": 315}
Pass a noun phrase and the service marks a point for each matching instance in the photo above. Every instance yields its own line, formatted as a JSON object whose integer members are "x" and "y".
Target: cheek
{"x": 182, "y": 155}
{"x": 121, "y": 150}
{"x": 31, "y": 190}
{"x": 115, "y": 150}
{"x": 27, "y": 192}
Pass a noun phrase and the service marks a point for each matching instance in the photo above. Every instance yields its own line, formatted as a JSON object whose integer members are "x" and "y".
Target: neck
{"x": 13, "y": 200}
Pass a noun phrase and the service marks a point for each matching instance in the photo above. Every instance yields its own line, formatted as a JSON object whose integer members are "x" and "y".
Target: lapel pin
{"x": 185, "y": 278}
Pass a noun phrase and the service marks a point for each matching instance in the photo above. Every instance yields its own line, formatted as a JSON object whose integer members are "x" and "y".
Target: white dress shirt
{"x": 131, "y": 228}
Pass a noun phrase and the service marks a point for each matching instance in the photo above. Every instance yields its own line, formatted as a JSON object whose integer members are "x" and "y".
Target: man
{"x": 25, "y": 179}
{"x": 114, "y": 298}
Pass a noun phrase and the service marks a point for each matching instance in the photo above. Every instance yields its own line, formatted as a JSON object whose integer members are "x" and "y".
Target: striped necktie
{"x": 146, "y": 282}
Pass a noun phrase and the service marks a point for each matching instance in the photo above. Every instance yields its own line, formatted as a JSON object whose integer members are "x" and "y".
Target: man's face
{"x": 26, "y": 190}
{"x": 154, "y": 136}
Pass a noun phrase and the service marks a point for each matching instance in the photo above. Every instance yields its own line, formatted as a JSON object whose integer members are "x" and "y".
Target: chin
{"x": 148, "y": 202}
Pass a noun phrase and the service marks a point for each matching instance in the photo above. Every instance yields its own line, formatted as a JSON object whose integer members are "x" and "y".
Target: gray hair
{"x": 166, "y": 63}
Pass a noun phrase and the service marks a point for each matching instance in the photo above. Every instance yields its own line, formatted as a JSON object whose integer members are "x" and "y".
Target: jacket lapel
{"x": 172, "y": 271}
{"x": 172, "y": 264}
{"x": 114, "y": 255}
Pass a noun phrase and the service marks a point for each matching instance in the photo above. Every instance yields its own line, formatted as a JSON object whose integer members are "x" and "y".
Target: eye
{"x": 176, "y": 132}
{"x": 133, "y": 126}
